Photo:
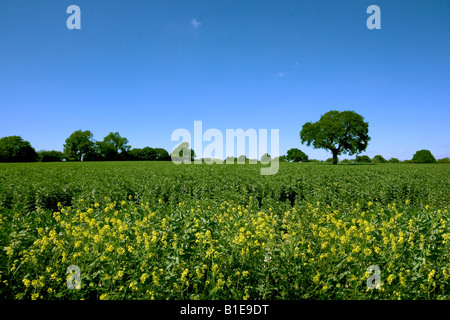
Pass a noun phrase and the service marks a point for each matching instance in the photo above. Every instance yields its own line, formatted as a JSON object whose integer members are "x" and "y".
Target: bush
{"x": 444, "y": 160}
{"x": 423, "y": 156}
{"x": 394, "y": 160}
{"x": 346, "y": 161}
{"x": 363, "y": 159}
{"x": 379, "y": 159}
{"x": 50, "y": 156}
{"x": 15, "y": 149}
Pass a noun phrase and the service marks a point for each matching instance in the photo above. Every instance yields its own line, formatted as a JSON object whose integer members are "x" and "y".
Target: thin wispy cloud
{"x": 281, "y": 74}
{"x": 195, "y": 23}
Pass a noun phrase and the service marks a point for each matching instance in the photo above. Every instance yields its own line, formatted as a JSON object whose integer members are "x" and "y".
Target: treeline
{"x": 80, "y": 146}
{"x": 421, "y": 156}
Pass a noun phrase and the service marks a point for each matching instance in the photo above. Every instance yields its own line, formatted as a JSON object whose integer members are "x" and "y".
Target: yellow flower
{"x": 215, "y": 268}
{"x": 104, "y": 296}
{"x": 26, "y": 282}
{"x": 144, "y": 277}
{"x": 184, "y": 274}
{"x": 431, "y": 275}
{"x": 390, "y": 278}
{"x": 316, "y": 277}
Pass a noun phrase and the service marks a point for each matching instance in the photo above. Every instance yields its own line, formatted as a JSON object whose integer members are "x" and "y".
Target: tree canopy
{"x": 363, "y": 159}
{"x": 296, "y": 155}
{"x": 340, "y": 132}
{"x": 379, "y": 159}
{"x": 113, "y": 147}
{"x": 15, "y": 149}
{"x": 79, "y": 145}
{"x": 182, "y": 153}
{"x": 423, "y": 156}
{"x": 50, "y": 156}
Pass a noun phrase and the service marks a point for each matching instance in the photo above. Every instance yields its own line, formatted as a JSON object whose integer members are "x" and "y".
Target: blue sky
{"x": 144, "y": 68}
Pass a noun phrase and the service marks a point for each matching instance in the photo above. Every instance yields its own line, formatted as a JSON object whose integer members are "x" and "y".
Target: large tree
{"x": 423, "y": 156}
{"x": 296, "y": 155}
{"x": 340, "y": 132}
{"x": 113, "y": 146}
{"x": 15, "y": 149}
{"x": 79, "y": 145}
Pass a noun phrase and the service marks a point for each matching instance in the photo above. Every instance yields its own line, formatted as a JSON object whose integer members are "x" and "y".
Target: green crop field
{"x": 154, "y": 230}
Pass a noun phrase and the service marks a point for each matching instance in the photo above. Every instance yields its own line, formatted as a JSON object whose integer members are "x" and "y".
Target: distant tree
{"x": 79, "y": 145}
{"x": 346, "y": 161}
{"x": 229, "y": 160}
{"x": 162, "y": 154}
{"x": 149, "y": 154}
{"x": 340, "y": 132}
{"x": 15, "y": 149}
{"x": 296, "y": 155}
{"x": 423, "y": 156}
{"x": 242, "y": 159}
{"x": 182, "y": 152}
{"x": 265, "y": 158}
{"x": 282, "y": 159}
{"x": 444, "y": 161}
{"x": 134, "y": 154}
{"x": 394, "y": 160}
{"x": 113, "y": 147}
{"x": 329, "y": 160}
{"x": 363, "y": 159}
{"x": 50, "y": 156}
{"x": 379, "y": 159}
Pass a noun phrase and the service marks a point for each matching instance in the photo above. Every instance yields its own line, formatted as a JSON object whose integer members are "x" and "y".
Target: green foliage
{"x": 379, "y": 159}
{"x": 15, "y": 149}
{"x": 394, "y": 160}
{"x": 182, "y": 153}
{"x": 363, "y": 159}
{"x": 444, "y": 161}
{"x": 50, "y": 156}
{"x": 154, "y": 230}
{"x": 80, "y": 145}
{"x": 113, "y": 147}
{"x": 346, "y": 161}
{"x": 265, "y": 158}
{"x": 340, "y": 132}
{"x": 148, "y": 154}
{"x": 162, "y": 155}
{"x": 423, "y": 156}
{"x": 296, "y": 155}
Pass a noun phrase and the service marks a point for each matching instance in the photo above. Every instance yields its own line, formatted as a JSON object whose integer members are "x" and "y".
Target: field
{"x": 154, "y": 230}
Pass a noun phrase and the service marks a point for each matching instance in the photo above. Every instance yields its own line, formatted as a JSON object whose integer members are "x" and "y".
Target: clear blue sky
{"x": 142, "y": 68}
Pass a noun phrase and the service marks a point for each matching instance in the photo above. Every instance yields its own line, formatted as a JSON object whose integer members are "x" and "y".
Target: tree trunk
{"x": 335, "y": 156}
